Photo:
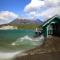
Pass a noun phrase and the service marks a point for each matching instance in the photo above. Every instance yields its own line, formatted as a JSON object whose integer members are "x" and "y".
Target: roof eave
{"x": 50, "y": 19}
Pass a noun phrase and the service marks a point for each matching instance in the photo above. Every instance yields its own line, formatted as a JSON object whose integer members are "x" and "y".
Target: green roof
{"x": 50, "y": 19}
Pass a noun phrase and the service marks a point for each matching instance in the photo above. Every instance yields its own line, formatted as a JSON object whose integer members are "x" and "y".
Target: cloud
{"x": 33, "y": 5}
{"x": 53, "y": 1}
{"x": 51, "y": 12}
{"x": 37, "y": 4}
{"x": 44, "y": 8}
{"x": 7, "y": 16}
{"x": 48, "y": 13}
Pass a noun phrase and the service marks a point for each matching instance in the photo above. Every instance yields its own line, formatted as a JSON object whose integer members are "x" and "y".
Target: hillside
{"x": 19, "y": 21}
{"x": 24, "y": 23}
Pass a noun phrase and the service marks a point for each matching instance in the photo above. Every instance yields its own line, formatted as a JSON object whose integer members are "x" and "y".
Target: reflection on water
{"x": 8, "y": 55}
{"x": 13, "y": 42}
{"x": 28, "y": 41}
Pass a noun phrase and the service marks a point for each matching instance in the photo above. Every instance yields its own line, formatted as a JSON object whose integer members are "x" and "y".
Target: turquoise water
{"x": 13, "y": 42}
{"x": 18, "y": 40}
{"x": 7, "y": 37}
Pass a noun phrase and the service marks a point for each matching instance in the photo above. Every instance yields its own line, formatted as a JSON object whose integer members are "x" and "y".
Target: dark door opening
{"x": 56, "y": 29}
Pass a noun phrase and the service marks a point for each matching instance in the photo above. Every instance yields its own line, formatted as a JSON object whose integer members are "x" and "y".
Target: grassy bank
{"x": 27, "y": 26}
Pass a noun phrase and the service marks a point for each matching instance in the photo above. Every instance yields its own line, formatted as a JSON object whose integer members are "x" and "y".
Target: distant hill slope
{"x": 25, "y": 21}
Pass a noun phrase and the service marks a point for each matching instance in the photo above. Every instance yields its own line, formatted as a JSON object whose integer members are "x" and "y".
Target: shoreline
{"x": 50, "y": 50}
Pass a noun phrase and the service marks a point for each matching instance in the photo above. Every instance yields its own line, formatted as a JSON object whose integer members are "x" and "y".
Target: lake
{"x": 16, "y": 41}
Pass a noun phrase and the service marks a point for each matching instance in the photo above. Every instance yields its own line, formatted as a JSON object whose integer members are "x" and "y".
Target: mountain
{"x": 38, "y": 21}
{"x": 24, "y": 23}
{"x": 19, "y": 21}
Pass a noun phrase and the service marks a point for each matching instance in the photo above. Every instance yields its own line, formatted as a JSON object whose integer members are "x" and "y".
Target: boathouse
{"x": 52, "y": 26}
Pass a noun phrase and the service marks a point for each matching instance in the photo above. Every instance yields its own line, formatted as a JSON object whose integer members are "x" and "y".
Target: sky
{"x": 16, "y": 6}
{"x": 42, "y": 9}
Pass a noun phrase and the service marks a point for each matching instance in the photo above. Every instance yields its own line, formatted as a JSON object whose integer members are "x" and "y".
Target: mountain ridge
{"x": 19, "y": 21}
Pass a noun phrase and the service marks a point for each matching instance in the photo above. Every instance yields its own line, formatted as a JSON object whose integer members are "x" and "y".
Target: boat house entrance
{"x": 52, "y": 26}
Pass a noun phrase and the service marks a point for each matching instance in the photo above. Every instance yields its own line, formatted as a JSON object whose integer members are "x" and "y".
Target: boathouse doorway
{"x": 56, "y": 29}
